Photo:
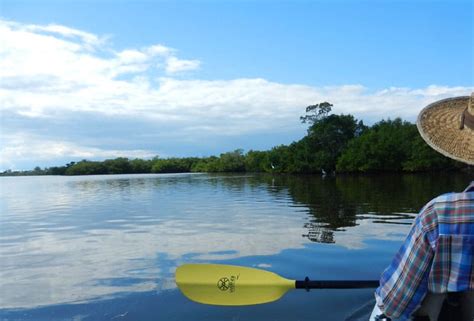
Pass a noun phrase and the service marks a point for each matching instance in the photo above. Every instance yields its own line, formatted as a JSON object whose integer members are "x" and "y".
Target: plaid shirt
{"x": 437, "y": 256}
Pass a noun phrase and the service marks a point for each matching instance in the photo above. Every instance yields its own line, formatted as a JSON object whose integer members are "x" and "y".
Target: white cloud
{"x": 52, "y": 71}
{"x": 132, "y": 56}
{"x": 19, "y": 146}
{"x": 86, "y": 37}
{"x": 159, "y": 50}
{"x": 174, "y": 65}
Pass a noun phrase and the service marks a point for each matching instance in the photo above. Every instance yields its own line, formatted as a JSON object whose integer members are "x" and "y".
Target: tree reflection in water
{"x": 337, "y": 202}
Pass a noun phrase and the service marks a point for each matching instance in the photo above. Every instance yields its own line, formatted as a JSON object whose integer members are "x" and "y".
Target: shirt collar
{"x": 470, "y": 188}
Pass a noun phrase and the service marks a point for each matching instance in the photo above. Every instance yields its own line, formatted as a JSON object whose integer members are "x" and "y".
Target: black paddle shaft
{"x": 308, "y": 284}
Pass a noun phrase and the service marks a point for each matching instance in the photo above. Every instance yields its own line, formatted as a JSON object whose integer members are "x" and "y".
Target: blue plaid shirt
{"x": 437, "y": 255}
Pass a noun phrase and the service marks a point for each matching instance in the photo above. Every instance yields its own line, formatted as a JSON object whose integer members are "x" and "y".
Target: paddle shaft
{"x": 308, "y": 284}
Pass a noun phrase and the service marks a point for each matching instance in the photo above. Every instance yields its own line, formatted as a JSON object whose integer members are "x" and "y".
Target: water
{"x": 106, "y": 247}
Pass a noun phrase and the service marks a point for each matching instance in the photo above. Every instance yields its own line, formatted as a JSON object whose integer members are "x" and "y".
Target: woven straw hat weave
{"x": 448, "y": 126}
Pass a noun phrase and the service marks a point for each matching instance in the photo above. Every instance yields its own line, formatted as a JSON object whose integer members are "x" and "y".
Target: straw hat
{"x": 448, "y": 126}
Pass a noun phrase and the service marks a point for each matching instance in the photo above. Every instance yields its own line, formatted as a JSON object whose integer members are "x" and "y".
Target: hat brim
{"x": 439, "y": 125}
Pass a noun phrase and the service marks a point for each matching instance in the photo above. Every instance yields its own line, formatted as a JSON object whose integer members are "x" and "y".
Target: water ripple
{"x": 80, "y": 239}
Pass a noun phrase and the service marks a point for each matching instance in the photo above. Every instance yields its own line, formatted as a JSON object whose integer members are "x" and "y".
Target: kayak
{"x": 376, "y": 313}
{"x": 457, "y": 306}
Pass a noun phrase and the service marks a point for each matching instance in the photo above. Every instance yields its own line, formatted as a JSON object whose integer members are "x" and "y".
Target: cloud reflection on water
{"x": 74, "y": 239}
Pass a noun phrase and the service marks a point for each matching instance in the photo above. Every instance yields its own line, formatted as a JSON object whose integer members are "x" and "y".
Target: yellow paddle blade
{"x": 230, "y": 285}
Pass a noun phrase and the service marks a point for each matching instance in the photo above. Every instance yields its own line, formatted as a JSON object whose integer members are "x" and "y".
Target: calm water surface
{"x": 106, "y": 247}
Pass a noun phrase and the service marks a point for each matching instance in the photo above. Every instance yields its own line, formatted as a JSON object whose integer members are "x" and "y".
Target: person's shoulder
{"x": 453, "y": 197}
{"x": 446, "y": 202}
{"x": 453, "y": 208}
{"x": 445, "y": 214}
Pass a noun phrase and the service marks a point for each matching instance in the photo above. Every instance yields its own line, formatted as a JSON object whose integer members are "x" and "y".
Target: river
{"x": 106, "y": 247}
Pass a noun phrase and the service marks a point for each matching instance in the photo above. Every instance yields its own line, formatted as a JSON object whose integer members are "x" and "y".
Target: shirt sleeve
{"x": 404, "y": 284}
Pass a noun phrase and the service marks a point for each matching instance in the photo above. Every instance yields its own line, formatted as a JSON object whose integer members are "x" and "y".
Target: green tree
{"x": 232, "y": 161}
{"x": 281, "y": 159}
{"x": 86, "y": 167}
{"x": 173, "y": 165}
{"x": 257, "y": 161}
{"x": 140, "y": 166}
{"x": 327, "y": 137}
{"x": 316, "y": 112}
{"x": 119, "y": 165}
{"x": 391, "y": 145}
{"x": 422, "y": 157}
{"x": 208, "y": 164}
{"x": 169, "y": 165}
{"x": 56, "y": 170}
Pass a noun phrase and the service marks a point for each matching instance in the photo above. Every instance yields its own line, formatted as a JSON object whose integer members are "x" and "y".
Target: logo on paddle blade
{"x": 223, "y": 284}
{"x": 227, "y": 284}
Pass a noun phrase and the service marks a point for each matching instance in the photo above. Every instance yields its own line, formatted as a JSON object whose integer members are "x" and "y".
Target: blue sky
{"x": 101, "y": 79}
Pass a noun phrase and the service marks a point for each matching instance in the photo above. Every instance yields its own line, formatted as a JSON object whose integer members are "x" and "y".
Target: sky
{"x": 105, "y": 79}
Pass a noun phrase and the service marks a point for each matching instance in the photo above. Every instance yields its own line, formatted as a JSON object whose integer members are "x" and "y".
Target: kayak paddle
{"x": 220, "y": 284}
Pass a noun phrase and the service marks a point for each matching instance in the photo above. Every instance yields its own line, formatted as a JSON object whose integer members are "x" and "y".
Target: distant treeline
{"x": 334, "y": 143}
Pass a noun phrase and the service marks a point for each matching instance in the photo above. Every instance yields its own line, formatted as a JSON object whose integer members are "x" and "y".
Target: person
{"x": 434, "y": 266}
